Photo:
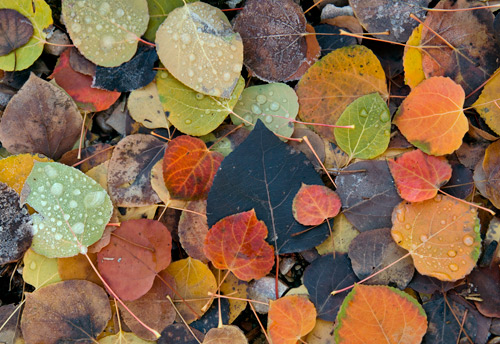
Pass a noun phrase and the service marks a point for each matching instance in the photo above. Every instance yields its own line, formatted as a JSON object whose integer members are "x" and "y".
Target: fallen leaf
{"x": 73, "y": 209}
{"x": 412, "y": 59}
{"x": 15, "y": 31}
{"x": 264, "y": 290}
{"x": 237, "y": 243}
{"x": 15, "y": 169}
{"x": 129, "y": 181}
{"x": 313, "y": 204}
{"x": 180, "y": 333}
{"x": 272, "y": 57}
{"x": 192, "y": 112}
{"x": 189, "y": 168}
{"x": 158, "y": 11}
{"x": 78, "y": 268}
{"x": 343, "y": 232}
{"x": 233, "y": 286}
{"x": 122, "y": 338}
{"x": 213, "y": 316}
{"x": 445, "y": 245}
{"x": 431, "y": 116}
{"x": 191, "y": 38}
{"x": 40, "y": 16}
{"x": 193, "y": 229}
{"x": 39, "y": 270}
{"x": 137, "y": 251}
{"x": 107, "y": 43}
{"x": 486, "y": 282}
{"x": 330, "y": 39}
{"x": 254, "y": 176}
{"x": 68, "y": 311}
{"x": 44, "y": 118}
{"x": 322, "y": 333}
{"x": 290, "y": 318}
{"x": 380, "y": 314}
{"x": 145, "y": 107}
{"x": 193, "y": 281}
{"x": 419, "y": 176}
{"x": 354, "y": 70}
{"x": 370, "y": 136}
{"x": 225, "y": 334}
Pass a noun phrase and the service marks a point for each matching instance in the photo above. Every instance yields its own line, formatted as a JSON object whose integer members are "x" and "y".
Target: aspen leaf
{"x": 145, "y": 107}
{"x": 16, "y": 30}
{"x": 445, "y": 245}
{"x": 123, "y": 337}
{"x": 225, "y": 334}
{"x": 15, "y": 169}
{"x": 412, "y": 59}
{"x": 489, "y": 185}
{"x": 39, "y": 270}
{"x": 313, "y": 204}
{"x": 487, "y": 105}
{"x": 158, "y": 11}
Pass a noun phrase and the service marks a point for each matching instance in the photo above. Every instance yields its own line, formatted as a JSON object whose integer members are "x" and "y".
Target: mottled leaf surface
{"x": 15, "y": 30}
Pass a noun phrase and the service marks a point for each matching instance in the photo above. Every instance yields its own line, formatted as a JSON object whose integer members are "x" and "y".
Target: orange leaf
{"x": 189, "y": 168}
{"x": 431, "y": 117}
{"x": 418, "y": 176}
{"x": 313, "y": 204}
{"x": 380, "y": 314}
{"x": 442, "y": 235}
{"x": 290, "y": 318}
{"x": 237, "y": 243}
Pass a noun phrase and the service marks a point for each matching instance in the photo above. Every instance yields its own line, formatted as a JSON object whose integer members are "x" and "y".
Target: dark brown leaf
{"x": 15, "y": 30}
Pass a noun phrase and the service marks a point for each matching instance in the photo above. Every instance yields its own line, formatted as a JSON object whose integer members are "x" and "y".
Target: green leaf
{"x": 158, "y": 11}
{"x": 275, "y": 104}
{"x": 197, "y": 44}
{"x": 63, "y": 195}
{"x": 372, "y": 127}
{"x": 40, "y": 15}
{"x": 191, "y": 112}
{"x": 106, "y": 32}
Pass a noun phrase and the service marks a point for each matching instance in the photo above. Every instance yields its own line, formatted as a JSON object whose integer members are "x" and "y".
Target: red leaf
{"x": 237, "y": 243}
{"x": 77, "y": 85}
{"x": 137, "y": 251}
{"x": 418, "y": 176}
{"x": 189, "y": 168}
{"x": 313, "y": 204}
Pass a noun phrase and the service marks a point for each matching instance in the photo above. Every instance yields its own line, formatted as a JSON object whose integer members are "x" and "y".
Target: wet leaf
{"x": 193, "y": 229}
{"x": 487, "y": 105}
{"x": 431, "y": 117}
{"x": 129, "y": 181}
{"x": 313, "y": 204}
{"x": 44, "y": 118}
{"x": 39, "y": 270}
{"x": 275, "y": 104}
{"x": 272, "y": 57}
{"x": 71, "y": 206}
{"x": 40, "y": 16}
{"x": 145, "y": 107}
{"x": 158, "y": 11}
{"x": 388, "y": 15}
{"x": 193, "y": 280}
{"x": 78, "y": 86}
{"x": 470, "y": 33}
{"x": 189, "y": 168}
{"x": 191, "y": 38}
{"x": 68, "y": 311}
{"x": 372, "y": 127}
{"x": 130, "y": 75}
{"x": 374, "y": 314}
{"x": 324, "y": 275}
{"x": 108, "y": 43}
{"x": 374, "y": 250}
{"x": 290, "y": 318}
{"x": 225, "y": 334}
{"x": 192, "y": 112}
{"x": 137, "y": 251}
{"x": 255, "y": 176}
{"x": 412, "y": 59}
{"x": 368, "y": 194}
{"x": 355, "y": 71}
{"x": 15, "y": 31}
{"x": 237, "y": 243}
{"x": 445, "y": 245}
{"x": 419, "y": 176}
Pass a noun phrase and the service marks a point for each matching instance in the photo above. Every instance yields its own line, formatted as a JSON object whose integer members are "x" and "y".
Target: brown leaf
{"x": 40, "y": 118}
{"x": 193, "y": 229}
{"x": 15, "y": 30}
{"x": 225, "y": 334}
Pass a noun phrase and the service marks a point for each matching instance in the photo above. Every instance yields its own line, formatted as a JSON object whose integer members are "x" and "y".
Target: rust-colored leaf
{"x": 290, "y": 318}
{"x": 237, "y": 243}
{"x": 313, "y": 204}
{"x": 189, "y": 168}
{"x": 419, "y": 176}
{"x": 431, "y": 117}
{"x": 380, "y": 314}
{"x": 193, "y": 229}
{"x": 137, "y": 251}
{"x": 490, "y": 185}
{"x": 442, "y": 235}
{"x": 225, "y": 334}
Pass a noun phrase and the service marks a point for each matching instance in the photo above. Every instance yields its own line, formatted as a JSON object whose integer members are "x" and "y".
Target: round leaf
{"x": 15, "y": 31}
{"x": 313, "y": 204}
{"x": 199, "y": 47}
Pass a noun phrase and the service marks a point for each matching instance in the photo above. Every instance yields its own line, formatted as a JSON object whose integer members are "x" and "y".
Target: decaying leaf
{"x": 15, "y": 30}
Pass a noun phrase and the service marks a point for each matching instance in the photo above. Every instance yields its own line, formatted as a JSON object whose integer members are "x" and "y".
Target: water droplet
{"x": 453, "y": 267}
{"x": 226, "y": 76}
{"x": 397, "y": 236}
{"x": 87, "y": 20}
{"x": 66, "y": 217}
{"x": 271, "y": 93}
{"x": 443, "y": 222}
{"x": 384, "y": 116}
{"x": 363, "y": 113}
{"x": 249, "y": 119}
{"x": 438, "y": 198}
{"x": 57, "y": 189}
{"x": 424, "y": 238}
{"x": 175, "y": 36}
{"x": 120, "y": 12}
{"x": 107, "y": 42}
{"x": 190, "y": 73}
{"x": 400, "y": 215}
{"x": 233, "y": 48}
{"x": 94, "y": 199}
{"x": 274, "y": 106}
{"x": 452, "y": 253}
{"x": 217, "y": 92}
{"x": 237, "y": 68}
{"x": 192, "y": 58}
{"x": 408, "y": 226}
{"x": 468, "y": 240}
{"x": 269, "y": 119}
{"x": 33, "y": 265}
{"x": 76, "y": 192}
{"x": 186, "y": 38}
{"x": 256, "y": 109}
{"x": 199, "y": 96}
{"x": 78, "y": 228}
{"x": 261, "y": 99}
{"x": 73, "y": 204}
{"x": 207, "y": 111}
{"x": 104, "y": 8}
{"x": 58, "y": 236}
{"x": 188, "y": 121}
{"x": 43, "y": 203}
{"x": 376, "y": 125}
{"x": 387, "y": 133}
{"x": 76, "y": 27}
{"x": 284, "y": 100}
